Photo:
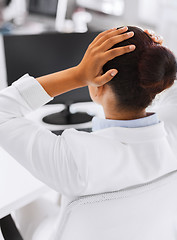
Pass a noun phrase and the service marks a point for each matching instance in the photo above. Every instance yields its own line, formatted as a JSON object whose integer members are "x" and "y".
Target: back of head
{"x": 142, "y": 74}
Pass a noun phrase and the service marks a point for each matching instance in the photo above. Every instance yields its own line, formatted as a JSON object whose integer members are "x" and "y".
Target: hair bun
{"x": 157, "y": 69}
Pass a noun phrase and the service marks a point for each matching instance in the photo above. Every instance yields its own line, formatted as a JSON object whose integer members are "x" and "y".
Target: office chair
{"x": 9, "y": 229}
{"x": 1, "y": 236}
{"x": 107, "y": 215}
{"x": 97, "y": 217}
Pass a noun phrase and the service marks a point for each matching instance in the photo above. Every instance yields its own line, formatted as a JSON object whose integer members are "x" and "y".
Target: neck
{"x": 125, "y": 115}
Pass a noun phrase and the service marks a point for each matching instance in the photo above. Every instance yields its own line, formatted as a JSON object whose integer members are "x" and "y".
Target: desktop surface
{"x": 17, "y": 186}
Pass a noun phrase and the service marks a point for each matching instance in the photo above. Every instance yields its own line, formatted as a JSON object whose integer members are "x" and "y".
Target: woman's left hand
{"x": 157, "y": 39}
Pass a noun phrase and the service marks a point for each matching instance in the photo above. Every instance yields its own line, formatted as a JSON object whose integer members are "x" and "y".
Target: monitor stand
{"x": 65, "y": 117}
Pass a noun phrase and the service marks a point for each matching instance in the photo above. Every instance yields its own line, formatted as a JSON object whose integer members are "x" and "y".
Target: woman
{"x": 124, "y": 146}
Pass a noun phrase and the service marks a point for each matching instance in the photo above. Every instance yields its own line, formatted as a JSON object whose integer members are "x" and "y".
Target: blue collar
{"x": 99, "y": 123}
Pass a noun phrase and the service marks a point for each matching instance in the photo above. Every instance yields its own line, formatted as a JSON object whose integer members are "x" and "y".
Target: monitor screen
{"x": 6, "y": 2}
{"x": 43, "y": 7}
{"x": 44, "y": 54}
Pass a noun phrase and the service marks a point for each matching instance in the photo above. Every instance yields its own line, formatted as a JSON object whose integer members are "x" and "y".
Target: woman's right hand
{"x": 99, "y": 52}
{"x": 89, "y": 71}
{"x": 157, "y": 39}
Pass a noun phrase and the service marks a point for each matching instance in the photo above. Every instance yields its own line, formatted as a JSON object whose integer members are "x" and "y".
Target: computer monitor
{"x": 43, "y": 7}
{"x": 44, "y": 54}
{"x": 54, "y": 8}
{"x": 6, "y": 2}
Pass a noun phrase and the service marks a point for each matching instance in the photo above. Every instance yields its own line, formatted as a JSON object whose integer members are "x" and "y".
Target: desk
{"x": 17, "y": 186}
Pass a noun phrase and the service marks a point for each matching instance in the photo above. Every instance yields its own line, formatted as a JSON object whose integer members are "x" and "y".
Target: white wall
{"x": 168, "y": 24}
{"x": 149, "y": 12}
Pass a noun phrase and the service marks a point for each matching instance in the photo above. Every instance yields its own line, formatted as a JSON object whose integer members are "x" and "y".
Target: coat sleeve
{"x": 166, "y": 100}
{"x": 44, "y": 154}
{"x": 165, "y": 105}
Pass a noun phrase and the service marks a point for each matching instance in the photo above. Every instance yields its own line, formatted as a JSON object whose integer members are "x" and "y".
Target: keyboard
{"x": 59, "y": 132}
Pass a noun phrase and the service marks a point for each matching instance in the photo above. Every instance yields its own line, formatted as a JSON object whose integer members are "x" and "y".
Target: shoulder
{"x": 76, "y": 135}
{"x": 79, "y": 142}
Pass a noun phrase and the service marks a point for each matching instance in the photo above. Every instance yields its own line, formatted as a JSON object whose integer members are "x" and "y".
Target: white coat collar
{"x": 130, "y": 135}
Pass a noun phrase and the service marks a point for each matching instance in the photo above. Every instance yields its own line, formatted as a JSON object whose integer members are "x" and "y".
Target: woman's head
{"x": 142, "y": 74}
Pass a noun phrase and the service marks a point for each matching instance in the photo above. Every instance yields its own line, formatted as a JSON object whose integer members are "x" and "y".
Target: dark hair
{"x": 143, "y": 73}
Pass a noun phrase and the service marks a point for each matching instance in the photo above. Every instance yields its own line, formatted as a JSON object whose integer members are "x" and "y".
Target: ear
{"x": 99, "y": 91}
{"x": 96, "y": 93}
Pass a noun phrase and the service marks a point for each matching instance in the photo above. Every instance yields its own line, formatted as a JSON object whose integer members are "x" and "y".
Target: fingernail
{"x": 151, "y": 32}
{"x": 132, "y": 47}
{"x": 113, "y": 73}
{"x": 122, "y": 28}
{"x": 130, "y": 34}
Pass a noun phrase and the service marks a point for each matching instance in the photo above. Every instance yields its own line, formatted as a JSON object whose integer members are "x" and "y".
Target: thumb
{"x": 108, "y": 76}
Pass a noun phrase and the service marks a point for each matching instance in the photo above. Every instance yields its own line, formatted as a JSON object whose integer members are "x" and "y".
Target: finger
{"x": 118, "y": 52}
{"x": 114, "y": 40}
{"x": 158, "y": 39}
{"x": 108, "y": 76}
{"x": 150, "y": 32}
{"x": 102, "y": 34}
{"x": 109, "y": 35}
{"x": 155, "y": 38}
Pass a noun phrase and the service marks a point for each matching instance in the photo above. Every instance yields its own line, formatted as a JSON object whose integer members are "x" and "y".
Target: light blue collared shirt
{"x": 99, "y": 123}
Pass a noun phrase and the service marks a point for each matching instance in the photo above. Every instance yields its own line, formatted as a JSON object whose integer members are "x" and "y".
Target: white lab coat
{"x": 80, "y": 163}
